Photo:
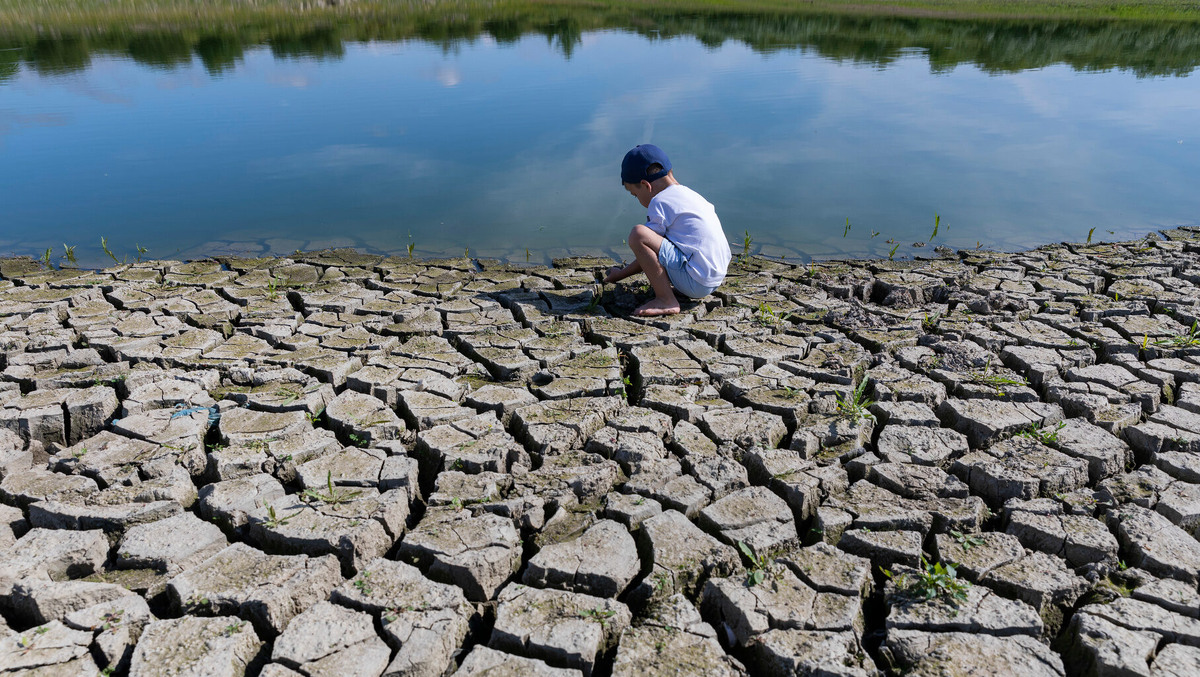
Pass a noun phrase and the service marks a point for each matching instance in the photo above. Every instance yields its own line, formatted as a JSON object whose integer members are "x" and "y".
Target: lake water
{"x": 502, "y": 145}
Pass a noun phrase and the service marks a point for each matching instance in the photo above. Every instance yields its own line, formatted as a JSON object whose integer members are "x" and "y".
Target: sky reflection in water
{"x": 499, "y": 148}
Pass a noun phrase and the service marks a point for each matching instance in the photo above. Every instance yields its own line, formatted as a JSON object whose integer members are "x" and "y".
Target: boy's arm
{"x": 617, "y": 273}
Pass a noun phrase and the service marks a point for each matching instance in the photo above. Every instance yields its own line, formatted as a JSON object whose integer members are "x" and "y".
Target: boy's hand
{"x": 612, "y": 275}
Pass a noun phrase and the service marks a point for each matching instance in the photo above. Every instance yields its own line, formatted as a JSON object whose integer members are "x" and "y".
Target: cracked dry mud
{"x": 339, "y": 463}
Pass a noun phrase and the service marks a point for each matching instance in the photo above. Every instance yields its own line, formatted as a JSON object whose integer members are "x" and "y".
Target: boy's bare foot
{"x": 656, "y": 307}
{"x": 609, "y": 275}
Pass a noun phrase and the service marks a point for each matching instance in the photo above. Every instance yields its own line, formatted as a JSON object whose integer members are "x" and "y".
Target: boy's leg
{"x": 645, "y": 244}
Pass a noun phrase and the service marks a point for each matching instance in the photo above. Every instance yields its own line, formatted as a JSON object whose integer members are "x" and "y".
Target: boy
{"x": 681, "y": 244}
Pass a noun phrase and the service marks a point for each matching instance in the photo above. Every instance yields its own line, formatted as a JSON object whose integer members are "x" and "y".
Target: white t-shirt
{"x": 690, "y": 222}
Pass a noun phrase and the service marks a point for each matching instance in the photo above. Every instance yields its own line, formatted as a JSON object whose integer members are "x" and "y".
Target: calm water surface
{"x": 502, "y": 147}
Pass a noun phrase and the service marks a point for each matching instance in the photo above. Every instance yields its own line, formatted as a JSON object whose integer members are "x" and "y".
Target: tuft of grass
{"x": 1188, "y": 339}
{"x": 104, "y": 246}
{"x": 933, "y": 582}
{"x": 985, "y": 377}
{"x": 855, "y": 403}
{"x": 1092, "y": 230}
{"x": 69, "y": 253}
{"x": 1042, "y": 434}
{"x": 331, "y": 495}
{"x": 847, "y": 229}
{"x": 937, "y": 222}
{"x": 892, "y": 253}
{"x": 929, "y": 323}
{"x": 766, "y": 316}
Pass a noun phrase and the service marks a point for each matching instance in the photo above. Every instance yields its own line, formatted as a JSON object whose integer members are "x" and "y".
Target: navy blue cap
{"x": 635, "y": 167}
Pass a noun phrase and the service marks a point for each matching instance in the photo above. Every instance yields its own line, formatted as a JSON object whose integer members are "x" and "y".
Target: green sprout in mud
{"x": 599, "y": 614}
{"x": 929, "y": 323}
{"x": 661, "y": 579}
{"x": 272, "y": 521}
{"x": 847, "y": 229}
{"x": 330, "y": 496}
{"x": 46, "y": 259}
{"x": 289, "y": 395}
{"x": 966, "y": 541}
{"x": 1042, "y": 434}
{"x": 766, "y": 316}
{"x": 996, "y": 381}
{"x": 1089, "y": 239}
{"x": 112, "y": 619}
{"x": 272, "y": 288}
{"x": 933, "y": 582}
{"x": 746, "y": 241}
{"x": 70, "y": 253}
{"x": 759, "y": 565}
{"x": 260, "y": 445}
{"x": 623, "y": 390}
{"x": 594, "y": 303}
{"x": 1189, "y": 339}
{"x": 892, "y": 252}
{"x": 937, "y": 222}
{"x": 855, "y": 403}
{"x": 363, "y": 583}
{"x": 141, "y": 251}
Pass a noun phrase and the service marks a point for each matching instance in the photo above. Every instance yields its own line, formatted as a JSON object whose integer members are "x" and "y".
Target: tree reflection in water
{"x": 996, "y": 46}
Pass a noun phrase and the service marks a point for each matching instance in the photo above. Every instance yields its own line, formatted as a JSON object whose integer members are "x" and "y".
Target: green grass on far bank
{"x": 172, "y": 33}
{"x": 65, "y": 15}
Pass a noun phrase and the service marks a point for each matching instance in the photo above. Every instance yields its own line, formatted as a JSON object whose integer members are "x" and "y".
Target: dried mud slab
{"x": 345, "y": 462}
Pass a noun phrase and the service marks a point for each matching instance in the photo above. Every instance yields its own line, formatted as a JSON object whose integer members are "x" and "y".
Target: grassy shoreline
{"x": 1147, "y": 48}
{"x": 55, "y": 16}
